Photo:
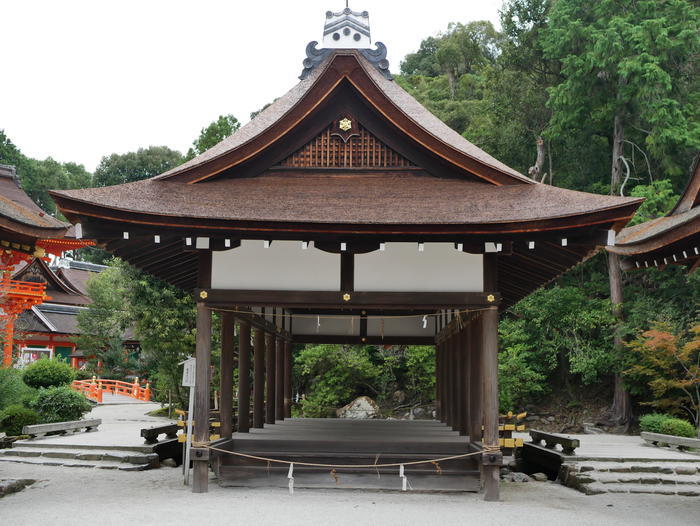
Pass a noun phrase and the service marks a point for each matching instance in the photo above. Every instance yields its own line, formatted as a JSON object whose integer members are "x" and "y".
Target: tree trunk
{"x": 536, "y": 170}
{"x": 617, "y": 145}
{"x": 621, "y": 409}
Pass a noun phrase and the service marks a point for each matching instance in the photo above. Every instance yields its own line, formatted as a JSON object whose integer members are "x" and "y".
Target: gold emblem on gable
{"x": 345, "y": 124}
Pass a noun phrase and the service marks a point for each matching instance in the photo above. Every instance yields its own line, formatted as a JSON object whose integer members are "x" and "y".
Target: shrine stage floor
{"x": 349, "y": 442}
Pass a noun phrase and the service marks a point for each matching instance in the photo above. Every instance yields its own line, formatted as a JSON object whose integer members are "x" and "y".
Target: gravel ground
{"x": 75, "y": 495}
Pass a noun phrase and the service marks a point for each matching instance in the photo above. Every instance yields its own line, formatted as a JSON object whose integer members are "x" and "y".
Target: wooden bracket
{"x": 200, "y": 453}
{"x": 492, "y": 458}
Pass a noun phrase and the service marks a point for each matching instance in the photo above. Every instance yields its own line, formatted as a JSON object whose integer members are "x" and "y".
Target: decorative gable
{"x": 345, "y": 144}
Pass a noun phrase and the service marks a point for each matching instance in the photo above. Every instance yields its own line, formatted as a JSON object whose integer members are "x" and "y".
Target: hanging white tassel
{"x": 290, "y": 476}
{"x": 404, "y": 480}
{"x": 425, "y": 322}
{"x": 318, "y": 323}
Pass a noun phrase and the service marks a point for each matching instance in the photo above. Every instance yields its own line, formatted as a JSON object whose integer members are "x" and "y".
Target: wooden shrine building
{"x": 673, "y": 239}
{"x": 347, "y": 213}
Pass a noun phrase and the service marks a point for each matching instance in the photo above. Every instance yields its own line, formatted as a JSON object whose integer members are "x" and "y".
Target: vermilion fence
{"x": 95, "y": 388}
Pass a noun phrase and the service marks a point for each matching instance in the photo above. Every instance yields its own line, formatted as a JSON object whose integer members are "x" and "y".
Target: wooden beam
{"x": 357, "y": 340}
{"x": 200, "y": 467}
{"x": 259, "y": 380}
{"x": 330, "y": 299}
{"x": 243, "y": 376}
{"x": 226, "y": 375}
{"x": 438, "y": 382}
{"x": 347, "y": 272}
{"x": 269, "y": 378}
{"x": 489, "y": 358}
{"x": 465, "y": 340}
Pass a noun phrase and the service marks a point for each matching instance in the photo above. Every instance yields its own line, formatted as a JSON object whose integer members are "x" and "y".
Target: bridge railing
{"x": 96, "y": 387}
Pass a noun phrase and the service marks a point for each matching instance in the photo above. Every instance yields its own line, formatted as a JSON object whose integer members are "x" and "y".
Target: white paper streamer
{"x": 404, "y": 480}
{"x": 290, "y": 476}
{"x": 318, "y": 323}
{"x": 425, "y": 322}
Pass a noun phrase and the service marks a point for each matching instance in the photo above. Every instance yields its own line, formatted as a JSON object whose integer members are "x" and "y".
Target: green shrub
{"x": 60, "y": 404}
{"x": 15, "y": 417}
{"x": 13, "y": 390}
{"x": 652, "y": 422}
{"x": 48, "y": 373}
{"x": 678, "y": 427}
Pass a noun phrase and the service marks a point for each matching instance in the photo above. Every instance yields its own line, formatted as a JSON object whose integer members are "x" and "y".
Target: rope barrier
{"x": 486, "y": 449}
{"x": 456, "y": 313}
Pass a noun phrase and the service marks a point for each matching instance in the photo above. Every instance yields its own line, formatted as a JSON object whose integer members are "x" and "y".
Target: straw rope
{"x": 456, "y": 313}
{"x": 486, "y": 449}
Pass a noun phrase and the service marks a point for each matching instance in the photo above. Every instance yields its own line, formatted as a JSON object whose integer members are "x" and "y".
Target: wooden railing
{"x": 95, "y": 388}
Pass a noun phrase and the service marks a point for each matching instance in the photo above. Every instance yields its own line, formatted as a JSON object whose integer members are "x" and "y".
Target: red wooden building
{"x": 347, "y": 213}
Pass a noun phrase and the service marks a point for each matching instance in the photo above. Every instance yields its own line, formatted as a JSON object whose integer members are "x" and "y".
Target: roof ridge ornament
{"x": 376, "y": 57}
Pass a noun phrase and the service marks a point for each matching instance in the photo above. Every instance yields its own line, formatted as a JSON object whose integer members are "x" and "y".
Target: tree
{"x": 670, "y": 366}
{"x": 213, "y": 134}
{"x": 625, "y": 67}
{"x": 135, "y": 166}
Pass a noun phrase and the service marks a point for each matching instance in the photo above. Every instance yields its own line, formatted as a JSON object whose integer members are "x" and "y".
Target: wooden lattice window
{"x": 341, "y": 146}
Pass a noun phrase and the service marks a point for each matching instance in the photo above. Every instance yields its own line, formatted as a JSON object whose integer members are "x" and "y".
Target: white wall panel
{"x": 282, "y": 266}
{"x": 401, "y": 267}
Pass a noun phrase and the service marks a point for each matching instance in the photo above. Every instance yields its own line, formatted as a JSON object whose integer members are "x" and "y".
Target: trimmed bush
{"x": 678, "y": 428}
{"x": 61, "y": 404}
{"x": 13, "y": 391}
{"x": 651, "y": 423}
{"x": 15, "y": 417}
{"x": 48, "y": 373}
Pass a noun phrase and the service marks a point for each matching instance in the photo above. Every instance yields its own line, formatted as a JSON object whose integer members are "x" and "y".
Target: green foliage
{"x": 135, "y": 166}
{"x": 213, "y": 134}
{"x": 48, "y": 373}
{"x": 519, "y": 380}
{"x": 13, "y": 390}
{"x": 419, "y": 378}
{"x": 15, "y": 417}
{"x": 678, "y": 428}
{"x": 60, "y": 404}
{"x": 652, "y": 422}
{"x": 659, "y": 199}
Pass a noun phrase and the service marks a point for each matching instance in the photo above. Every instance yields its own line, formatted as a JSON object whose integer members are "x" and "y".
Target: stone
{"x": 550, "y": 419}
{"x": 685, "y": 470}
{"x": 89, "y": 456}
{"x": 418, "y": 412}
{"x": 8, "y": 486}
{"x": 539, "y": 477}
{"x": 583, "y": 469}
{"x": 689, "y": 493}
{"x": 517, "y": 476}
{"x": 625, "y": 469}
{"x": 361, "y": 407}
{"x": 168, "y": 462}
{"x": 399, "y": 397}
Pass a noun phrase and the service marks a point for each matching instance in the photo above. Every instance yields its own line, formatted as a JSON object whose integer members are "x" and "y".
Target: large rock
{"x": 362, "y": 407}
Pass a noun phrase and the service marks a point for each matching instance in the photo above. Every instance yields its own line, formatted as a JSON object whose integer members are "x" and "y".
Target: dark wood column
{"x": 438, "y": 383}
{"x": 243, "y": 376}
{"x": 200, "y": 460}
{"x": 287, "y": 379}
{"x": 446, "y": 378}
{"x": 489, "y": 363}
{"x": 279, "y": 378}
{"x": 454, "y": 378}
{"x": 475, "y": 381}
{"x": 226, "y": 374}
{"x": 464, "y": 342}
{"x": 259, "y": 379}
{"x": 269, "y": 378}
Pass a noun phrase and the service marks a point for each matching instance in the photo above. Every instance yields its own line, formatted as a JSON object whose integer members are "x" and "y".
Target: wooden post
{"x": 200, "y": 466}
{"x": 270, "y": 378}
{"x": 243, "y": 377}
{"x": 475, "y": 382}
{"x": 464, "y": 342}
{"x": 454, "y": 379}
{"x": 489, "y": 362}
{"x": 259, "y": 379}
{"x": 279, "y": 378}
{"x": 226, "y": 375}
{"x": 287, "y": 379}
{"x": 438, "y": 384}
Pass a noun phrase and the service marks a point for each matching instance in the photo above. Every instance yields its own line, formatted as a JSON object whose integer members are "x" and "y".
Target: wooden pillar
{"x": 259, "y": 378}
{"x": 464, "y": 380}
{"x": 226, "y": 375}
{"x": 438, "y": 383}
{"x": 200, "y": 466}
{"x": 243, "y": 377}
{"x": 287, "y": 379}
{"x": 475, "y": 382}
{"x": 489, "y": 363}
{"x": 447, "y": 377}
{"x": 454, "y": 374}
{"x": 279, "y": 378}
{"x": 270, "y": 378}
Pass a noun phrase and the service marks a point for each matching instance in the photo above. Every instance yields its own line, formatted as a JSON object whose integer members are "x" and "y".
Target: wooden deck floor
{"x": 355, "y": 442}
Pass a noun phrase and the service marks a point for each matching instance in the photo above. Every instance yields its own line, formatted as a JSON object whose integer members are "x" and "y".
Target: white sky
{"x": 84, "y": 79}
